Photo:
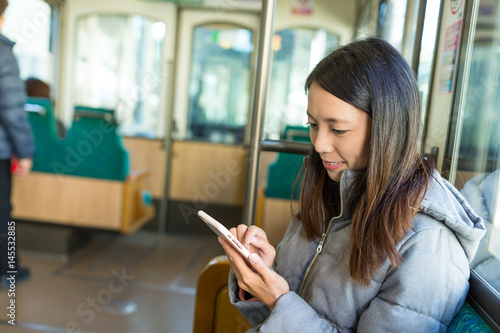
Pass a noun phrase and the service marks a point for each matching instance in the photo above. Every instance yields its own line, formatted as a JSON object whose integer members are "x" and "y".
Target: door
{"x": 212, "y": 101}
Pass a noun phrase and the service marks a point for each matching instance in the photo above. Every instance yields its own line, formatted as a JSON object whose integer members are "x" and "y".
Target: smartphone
{"x": 222, "y": 231}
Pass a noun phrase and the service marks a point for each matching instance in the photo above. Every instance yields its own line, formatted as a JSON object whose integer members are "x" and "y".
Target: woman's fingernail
{"x": 253, "y": 258}
{"x": 220, "y": 240}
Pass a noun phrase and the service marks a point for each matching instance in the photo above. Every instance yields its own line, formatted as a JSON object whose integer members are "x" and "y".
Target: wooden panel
{"x": 68, "y": 200}
{"x": 227, "y": 317}
{"x": 276, "y": 215}
{"x": 135, "y": 211}
{"x": 147, "y": 154}
{"x": 213, "y": 312}
{"x": 208, "y": 173}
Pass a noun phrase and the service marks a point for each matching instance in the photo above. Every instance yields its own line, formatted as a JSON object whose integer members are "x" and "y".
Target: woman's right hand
{"x": 255, "y": 240}
{"x": 256, "y": 277}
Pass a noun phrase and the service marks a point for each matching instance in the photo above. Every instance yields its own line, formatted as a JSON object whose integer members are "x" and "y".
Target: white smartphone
{"x": 222, "y": 231}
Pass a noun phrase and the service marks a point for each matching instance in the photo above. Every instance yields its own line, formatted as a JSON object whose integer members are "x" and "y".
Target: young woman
{"x": 380, "y": 243}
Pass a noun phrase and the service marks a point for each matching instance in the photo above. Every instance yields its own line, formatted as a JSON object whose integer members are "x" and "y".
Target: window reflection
{"x": 118, "y": 67}
{"x": 296, "y": 52}
{"x": 479, "y": 146}
{"x": 427, "y": 53}
{"x": 28, "y": 23}
{"x": 391, "y": 21}
{"x": 219, "y": 86}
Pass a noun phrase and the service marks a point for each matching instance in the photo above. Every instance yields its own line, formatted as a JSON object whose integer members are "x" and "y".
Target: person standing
{"x": 16, "y": 147}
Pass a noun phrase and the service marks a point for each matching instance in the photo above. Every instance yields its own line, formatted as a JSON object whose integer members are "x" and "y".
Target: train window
{"x": 391, "y": 21}
{"x": 296, "y": 52}
{"x": 28, "y": 23}
{"x": 427, "y": 49}
{"x": 219, "y": 83}
{"x": 478, "y": 164}
{"x": 118, "y": 67}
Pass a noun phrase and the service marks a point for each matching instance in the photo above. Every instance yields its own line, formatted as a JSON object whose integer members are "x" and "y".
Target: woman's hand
{"x": 255, "y": 240}
{"x": 259, "y": 280}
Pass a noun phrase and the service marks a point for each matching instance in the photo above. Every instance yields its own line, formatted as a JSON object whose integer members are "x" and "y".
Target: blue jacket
{"x": 16, "y": 137}
{"x": 422, "y": 294}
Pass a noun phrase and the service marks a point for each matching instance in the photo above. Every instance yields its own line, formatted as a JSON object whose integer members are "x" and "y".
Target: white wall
{"x": 335, "y": 16}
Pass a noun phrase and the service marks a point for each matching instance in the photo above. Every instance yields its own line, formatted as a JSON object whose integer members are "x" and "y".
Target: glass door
{"x": 214, "y": 76}
{"x": 208, "y": 151}
{"x": 475, "y": 149}
{"x": 117, "y": 55}
{"x": 118, "y": 67}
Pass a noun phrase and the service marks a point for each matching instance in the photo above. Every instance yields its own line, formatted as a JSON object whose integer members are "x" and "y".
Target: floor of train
{"x": 136, "y": 283}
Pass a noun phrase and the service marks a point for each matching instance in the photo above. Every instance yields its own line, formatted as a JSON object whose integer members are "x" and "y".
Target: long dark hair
{"x": 3, "y": 6}
{"x": 372, "y": 76}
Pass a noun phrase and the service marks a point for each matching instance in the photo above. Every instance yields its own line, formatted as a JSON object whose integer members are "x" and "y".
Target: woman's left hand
{"x": 257, "y": 279}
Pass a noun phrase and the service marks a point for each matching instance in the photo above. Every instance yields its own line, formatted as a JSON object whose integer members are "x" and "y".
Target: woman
{"x": 380, "y": 243}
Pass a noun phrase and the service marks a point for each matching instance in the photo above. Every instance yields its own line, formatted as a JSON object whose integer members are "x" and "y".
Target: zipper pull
{"x": 320, "y": 245}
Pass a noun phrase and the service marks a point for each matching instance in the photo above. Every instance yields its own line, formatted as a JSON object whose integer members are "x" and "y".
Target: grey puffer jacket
{"x": 421, "y": 295}
{"x": 16, "y": 137}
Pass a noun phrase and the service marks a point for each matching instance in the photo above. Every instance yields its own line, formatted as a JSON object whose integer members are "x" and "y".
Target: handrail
{"x": 283, "y": 146}
{"x": 96, "y": 115}
{"x": 262, "y": 74}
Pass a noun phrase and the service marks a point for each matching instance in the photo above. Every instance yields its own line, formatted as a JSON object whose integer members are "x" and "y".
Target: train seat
{"x": 273, "y": 202}
{"x": 282, "y": 173}
{"x": 83, "y": 179}
{"x": 213, "y": 310}
{"x": 215, "y": 313}
{"x": 93, "y": 134}
{"x": 41, "y": 117}
{"x": 467, "y": 320}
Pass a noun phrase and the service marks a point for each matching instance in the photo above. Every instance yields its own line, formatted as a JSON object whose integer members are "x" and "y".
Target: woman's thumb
{"x": 256, "y": 262}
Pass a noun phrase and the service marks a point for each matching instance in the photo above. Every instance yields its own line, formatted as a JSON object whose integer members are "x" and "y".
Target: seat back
{"x": 94, "y": 137}
{"x": 283, "y": 172}
{"x": 49, "y": 147}
{"x": 92, "y": 147}
{"x": 213, "y": 310}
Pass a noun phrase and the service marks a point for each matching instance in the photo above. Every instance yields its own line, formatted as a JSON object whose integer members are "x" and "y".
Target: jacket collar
{"x": 5, "y": 40}
{"x": 347, "y": 196}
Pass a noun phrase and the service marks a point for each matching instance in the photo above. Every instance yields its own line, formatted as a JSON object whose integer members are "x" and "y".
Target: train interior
{"x": 146, "y": 111}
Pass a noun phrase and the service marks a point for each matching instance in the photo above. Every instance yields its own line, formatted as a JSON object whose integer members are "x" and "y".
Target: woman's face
{"x": 340, "y": 133}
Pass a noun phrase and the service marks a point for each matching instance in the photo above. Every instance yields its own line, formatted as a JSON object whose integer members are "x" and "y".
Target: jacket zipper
{"x": 319, "y": 248}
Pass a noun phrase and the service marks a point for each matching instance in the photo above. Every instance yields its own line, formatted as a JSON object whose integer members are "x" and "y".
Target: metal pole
{"x": 262, "y": 71}
{"x": 417, "y": 45}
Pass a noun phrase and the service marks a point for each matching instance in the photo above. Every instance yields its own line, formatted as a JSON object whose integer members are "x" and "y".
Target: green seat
{"x": 44, "y": 126}
{"x": 41, "y": 117}
{"x": 97, "y": 149}
{"x": 283, "y": 172}
{"x": 468, "y": 320}
{"x": 92, "y": 147}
